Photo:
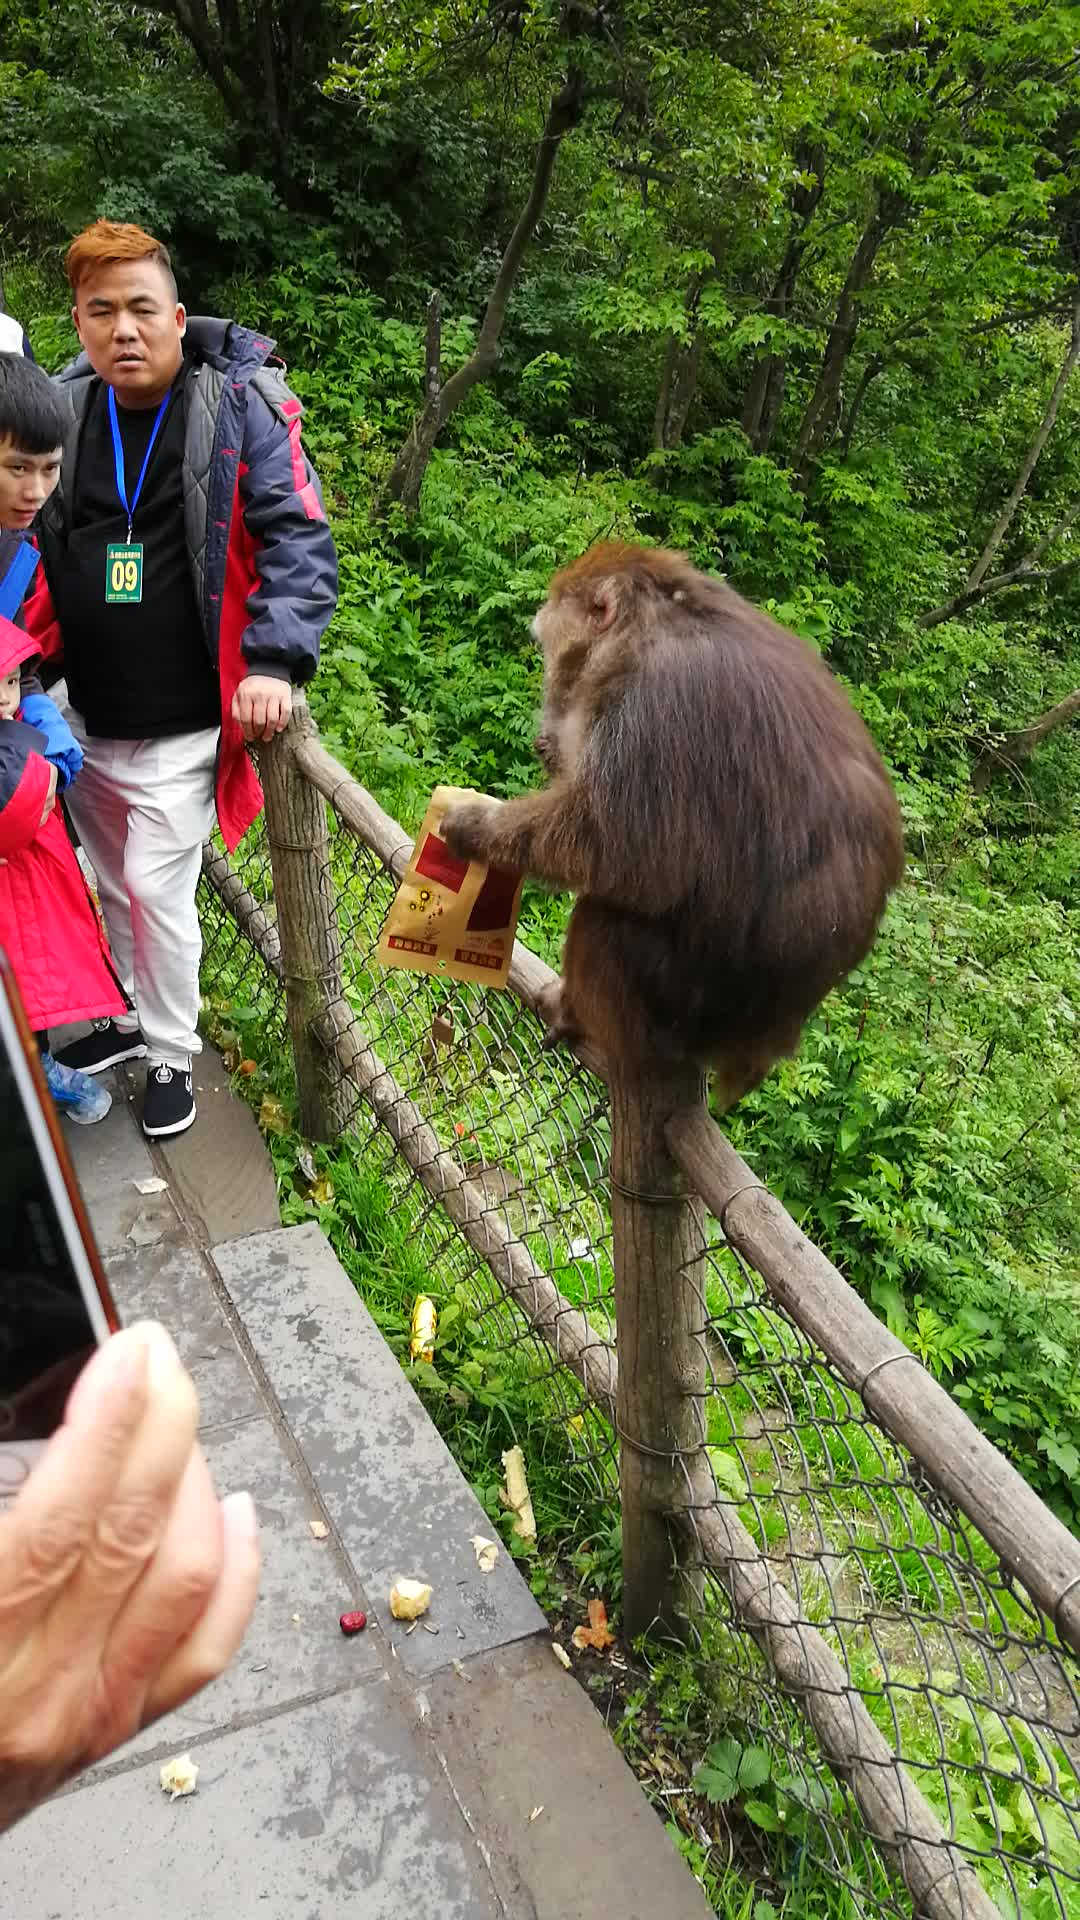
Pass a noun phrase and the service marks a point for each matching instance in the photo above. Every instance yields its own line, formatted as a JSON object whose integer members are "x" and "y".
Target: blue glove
{"x": 61, "y": 746}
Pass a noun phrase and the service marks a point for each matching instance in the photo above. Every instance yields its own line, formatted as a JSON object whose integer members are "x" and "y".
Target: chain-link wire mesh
{"x": 969, "y": 1685}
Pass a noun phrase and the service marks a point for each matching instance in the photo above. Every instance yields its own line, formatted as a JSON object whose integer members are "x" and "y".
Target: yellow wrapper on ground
{"x": 452, "y": 917}
{"x": 424, "y": 1323}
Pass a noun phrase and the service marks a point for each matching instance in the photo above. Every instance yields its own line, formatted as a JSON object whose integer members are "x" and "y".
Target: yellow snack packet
{"x": 449, "y": 916}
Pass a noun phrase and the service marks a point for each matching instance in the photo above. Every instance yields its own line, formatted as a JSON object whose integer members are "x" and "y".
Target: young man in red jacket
{"x": 188, "y": 577}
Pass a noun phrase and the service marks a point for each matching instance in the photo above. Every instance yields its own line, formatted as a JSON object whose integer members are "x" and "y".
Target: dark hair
{"x": 32, "y": 413}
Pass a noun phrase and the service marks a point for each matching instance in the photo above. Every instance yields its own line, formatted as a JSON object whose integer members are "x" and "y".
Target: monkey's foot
{"x": 557, "y": 1037}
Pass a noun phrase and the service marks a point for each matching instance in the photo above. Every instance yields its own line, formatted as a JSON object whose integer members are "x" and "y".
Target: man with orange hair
{"x": 188, "y": 577}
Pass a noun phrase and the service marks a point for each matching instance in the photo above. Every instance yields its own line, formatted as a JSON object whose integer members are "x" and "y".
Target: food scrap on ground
{"x": 319, "y": 1528}
{"x": 179, "y": 1777}
{"x": 353, "y": 1622}
{"x": 597, "y": 1634}
{"x": 424, "y": 1323}
{"x": 516, "y": 1493}
{"x": 486, "y": 1551}
{"x": 561, "y": 1655}
{"x": 409, "y": 1599}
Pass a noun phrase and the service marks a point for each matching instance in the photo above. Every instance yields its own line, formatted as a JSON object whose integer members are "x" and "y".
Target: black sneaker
{"x": 105, "y": 1047}
{"x": 170, "y": 1104}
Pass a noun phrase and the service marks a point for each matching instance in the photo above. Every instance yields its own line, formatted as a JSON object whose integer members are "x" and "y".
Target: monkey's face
{"x": 570, "y": 633}
{"x": 564, "y": 642}
{"x": 566, "y": 635}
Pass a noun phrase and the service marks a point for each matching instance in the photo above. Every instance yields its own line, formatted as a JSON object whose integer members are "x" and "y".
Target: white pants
{"x": 142, "y": 809}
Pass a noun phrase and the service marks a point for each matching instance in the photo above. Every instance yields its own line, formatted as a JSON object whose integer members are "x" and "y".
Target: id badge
{"x": 123, "y": 574}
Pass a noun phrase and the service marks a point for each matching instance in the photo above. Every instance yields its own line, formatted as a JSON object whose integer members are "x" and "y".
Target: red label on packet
{"x": 496, "y": 902}
{"x": 436, "y": 862}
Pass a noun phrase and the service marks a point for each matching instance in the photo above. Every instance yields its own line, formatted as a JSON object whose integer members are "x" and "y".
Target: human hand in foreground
{"x": 262, "y": 706}
{"x": 125, "y": 1586}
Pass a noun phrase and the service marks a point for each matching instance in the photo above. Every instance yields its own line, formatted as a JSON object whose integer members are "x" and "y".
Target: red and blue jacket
{"x": 262, "y": 556}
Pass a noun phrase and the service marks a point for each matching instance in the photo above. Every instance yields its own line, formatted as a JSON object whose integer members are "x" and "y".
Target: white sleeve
{"x": 12, "y": 338}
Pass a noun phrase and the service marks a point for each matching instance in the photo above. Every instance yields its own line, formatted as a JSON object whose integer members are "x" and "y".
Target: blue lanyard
{"x": 118, "y": 456}
{"x": 17, "y": 578}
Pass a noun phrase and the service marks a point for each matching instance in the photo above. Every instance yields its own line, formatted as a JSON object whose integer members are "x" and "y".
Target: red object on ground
{"x": 353, "y": 1622}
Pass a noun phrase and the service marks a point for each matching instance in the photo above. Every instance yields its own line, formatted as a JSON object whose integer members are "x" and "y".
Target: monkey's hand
{"x": 546, "y": 749}
{"x": 468, "y": 828}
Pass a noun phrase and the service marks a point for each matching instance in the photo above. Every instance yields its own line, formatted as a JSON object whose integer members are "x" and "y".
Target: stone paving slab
{"x": 396, "y": 1497}
{"x": 294, "y": 1646}
{"x": 323, "y": 1811}
{"x": 220, "y": 1170}
{"x": 516, "y": 1732}
{"x": 170, "y": 1283}
{"x": 109, "y": 1159}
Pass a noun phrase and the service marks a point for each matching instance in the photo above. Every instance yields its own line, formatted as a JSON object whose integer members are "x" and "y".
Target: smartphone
{"x": 55, "y": 1304}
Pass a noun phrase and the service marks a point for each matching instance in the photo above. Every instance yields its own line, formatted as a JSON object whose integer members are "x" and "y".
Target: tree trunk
{"x": 765, "y": 393}
{"x": 407, "y": 473}
{"x": 672, "y": 350}
{"x": 1019, "y": 746}
{"x": 259, "y": 57}
{"x": 869, "y": 374}
{"x": 684, "y": 389}
{"x": 678, "y": 380}
{"x": 1031, "y": 458}
{"x": 824, "y": 402}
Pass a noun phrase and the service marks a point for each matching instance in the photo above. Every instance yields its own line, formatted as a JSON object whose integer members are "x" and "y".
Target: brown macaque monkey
{"x": 715, "y": 803}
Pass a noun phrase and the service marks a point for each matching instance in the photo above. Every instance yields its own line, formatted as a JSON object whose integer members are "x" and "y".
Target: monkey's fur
{"x": 717, "y": 806}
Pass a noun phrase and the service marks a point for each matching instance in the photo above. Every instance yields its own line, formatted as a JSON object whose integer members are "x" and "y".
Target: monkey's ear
{"x": 603, "y": 604}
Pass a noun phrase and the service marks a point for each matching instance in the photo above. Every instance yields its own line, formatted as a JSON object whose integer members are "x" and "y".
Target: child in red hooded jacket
{"x": 48, "y": 923}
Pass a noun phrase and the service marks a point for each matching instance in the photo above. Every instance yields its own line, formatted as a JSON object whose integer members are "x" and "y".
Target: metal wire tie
{"x": 660, "y": 1453}
{"x": 652, "y": 1199}
{"x": 889, "y": 1361}
{"x": 1061, "y": 1599}
{"x": 751, "y": 1186}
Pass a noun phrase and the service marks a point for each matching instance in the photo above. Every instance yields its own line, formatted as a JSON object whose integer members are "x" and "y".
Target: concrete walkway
{"x": 394, "y": 1774}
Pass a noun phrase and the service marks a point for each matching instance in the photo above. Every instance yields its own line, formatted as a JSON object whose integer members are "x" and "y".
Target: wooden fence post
{"x": 658, "y": 1241}
{"x": 307, "y": 922}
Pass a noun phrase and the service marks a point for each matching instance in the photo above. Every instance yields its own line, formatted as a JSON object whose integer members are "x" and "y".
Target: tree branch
{"x": 1019, "y": 746}
{"x": 208, "y": 47}
{"x": 1030, "y": 461}
{"x": 1056, "y": 533}
{"x": 1023, "y": 575}
{"x": 407, "y": 473}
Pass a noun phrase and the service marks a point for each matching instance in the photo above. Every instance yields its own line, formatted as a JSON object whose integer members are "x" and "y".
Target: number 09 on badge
{"x": 123, "y": 573}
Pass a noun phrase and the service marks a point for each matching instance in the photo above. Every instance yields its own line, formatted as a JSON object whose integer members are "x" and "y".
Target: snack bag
{"x": 449, "y": 916}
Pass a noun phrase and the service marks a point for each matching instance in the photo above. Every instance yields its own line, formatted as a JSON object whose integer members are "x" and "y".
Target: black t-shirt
{"x": 137, "y": 669}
